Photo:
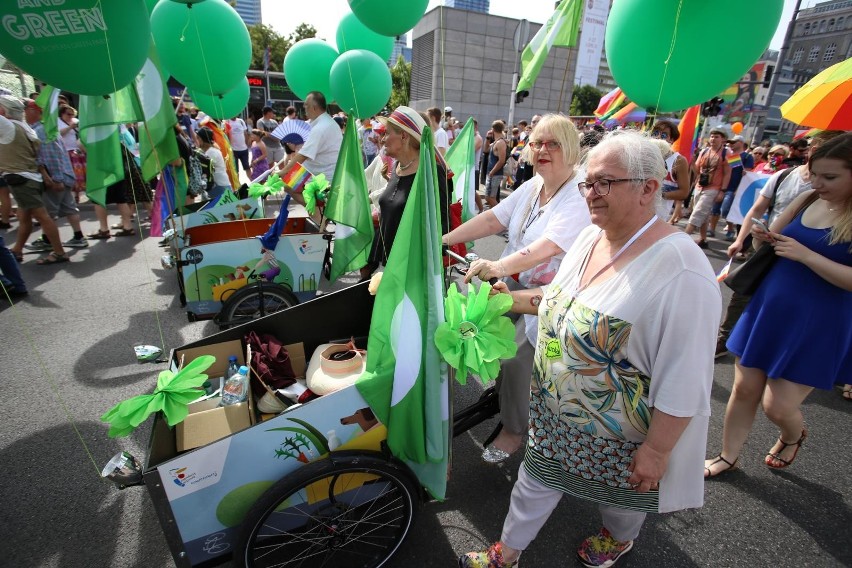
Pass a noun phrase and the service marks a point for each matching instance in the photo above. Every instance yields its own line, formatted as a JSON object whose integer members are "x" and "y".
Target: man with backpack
{"x": 712, "y": 174}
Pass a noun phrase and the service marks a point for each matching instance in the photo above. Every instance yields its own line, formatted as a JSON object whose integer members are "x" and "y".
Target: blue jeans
{"x": 241, "y": 157}
{"x": 727, "y": 202}
{"x": 11, "y": 274}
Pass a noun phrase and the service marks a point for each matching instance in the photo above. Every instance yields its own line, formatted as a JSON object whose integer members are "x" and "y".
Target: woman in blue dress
{"x": 806, "y": 294}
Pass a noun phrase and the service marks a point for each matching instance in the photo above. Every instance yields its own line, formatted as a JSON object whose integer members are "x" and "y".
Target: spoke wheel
{"x": 343, "y": 512}
{"x": 254, "y": 302}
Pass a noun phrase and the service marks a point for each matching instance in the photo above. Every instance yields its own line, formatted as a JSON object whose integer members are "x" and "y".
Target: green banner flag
{"x": 48, "y": 102}
{"x": 559, "y": 31}
{"x": 406, "y": 382}
{"x": 461, "y": 157}
{"x": 157, "y": 143}
{"x": 349, "y": 207}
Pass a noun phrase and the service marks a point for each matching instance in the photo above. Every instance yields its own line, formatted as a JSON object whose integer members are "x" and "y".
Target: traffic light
{"x": 520, "y": 96}
{"x": 712, "y": 107}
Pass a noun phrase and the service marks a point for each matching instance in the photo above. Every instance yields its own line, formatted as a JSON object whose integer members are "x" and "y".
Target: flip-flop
{"x": 53, "y": 258}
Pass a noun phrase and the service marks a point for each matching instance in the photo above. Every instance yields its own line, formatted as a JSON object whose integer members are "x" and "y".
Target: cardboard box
{"x": 207, "y": 421}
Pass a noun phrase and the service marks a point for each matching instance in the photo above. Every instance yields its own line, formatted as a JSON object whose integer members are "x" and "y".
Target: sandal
{"x": 784, "y": 445}
{"x": 847, "y": 392}
{"x": 19, "y": 256}
{"x": 99, "y": 235}
{"x": 53, "y": 258}
{"x": 709, "y": 473}
{"x": 125, "y": 233}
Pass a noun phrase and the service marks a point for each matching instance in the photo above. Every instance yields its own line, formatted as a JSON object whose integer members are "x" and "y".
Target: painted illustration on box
{"x": 212, "y": 488}
{"x": 215, "y": 271}
{"x": 235, "y": 211}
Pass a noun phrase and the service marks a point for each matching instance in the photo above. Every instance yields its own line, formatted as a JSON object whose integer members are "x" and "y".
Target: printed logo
{"x": 553, "y": 350}
{"x": 215, "y": 544}
{"x": 305, "y": 247}
{"x": 180, "y": 476}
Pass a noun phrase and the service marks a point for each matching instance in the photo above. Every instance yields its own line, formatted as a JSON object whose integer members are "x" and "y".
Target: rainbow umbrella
{"x": 825, "y": 101}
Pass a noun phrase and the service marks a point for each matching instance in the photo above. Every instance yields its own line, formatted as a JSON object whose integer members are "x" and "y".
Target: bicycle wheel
{"x": 253, "y": 302}
{"x": 347, "y": 511}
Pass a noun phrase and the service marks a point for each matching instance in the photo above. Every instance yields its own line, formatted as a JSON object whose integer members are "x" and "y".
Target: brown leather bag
{"x": 270, "y": 361}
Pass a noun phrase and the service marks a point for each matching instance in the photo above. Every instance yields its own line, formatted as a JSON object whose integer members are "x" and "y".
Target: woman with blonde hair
{"x": 775, "y": 160}
{"x": 806, "y": 293}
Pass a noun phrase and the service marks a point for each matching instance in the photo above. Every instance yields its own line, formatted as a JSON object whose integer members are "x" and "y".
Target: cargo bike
{"x": 312, "y": 486}
{"x": 226, "y": 274}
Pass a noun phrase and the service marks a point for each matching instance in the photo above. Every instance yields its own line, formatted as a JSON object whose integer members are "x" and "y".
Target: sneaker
{"x": 38, "y": 245}
{"x": 721, "y": 350}
{"x": 730, "y": 236}
{"x": 702, "y": 244}
{"x": 601, "y": 550}
{"x": 491, "y": 558}
{"x": 76, "y": 243}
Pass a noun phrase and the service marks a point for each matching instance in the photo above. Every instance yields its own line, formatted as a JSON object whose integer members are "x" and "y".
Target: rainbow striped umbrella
{"x": 825, "y": 101}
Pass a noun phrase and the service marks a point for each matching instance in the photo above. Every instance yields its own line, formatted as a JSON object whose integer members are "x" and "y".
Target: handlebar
{"x": 468, "y": 259}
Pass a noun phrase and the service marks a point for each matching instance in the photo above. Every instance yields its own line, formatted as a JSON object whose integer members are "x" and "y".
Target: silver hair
{"x": 637, "y": 153}
{"x": 13, "y": 106}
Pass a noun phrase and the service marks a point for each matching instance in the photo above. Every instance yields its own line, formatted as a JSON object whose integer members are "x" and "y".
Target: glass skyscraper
{"x": 470, "y": 5}
{"x": 249, "y": 10}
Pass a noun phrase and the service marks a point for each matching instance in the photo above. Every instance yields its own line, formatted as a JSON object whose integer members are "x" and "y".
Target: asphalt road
{"x": 67, "y": 356}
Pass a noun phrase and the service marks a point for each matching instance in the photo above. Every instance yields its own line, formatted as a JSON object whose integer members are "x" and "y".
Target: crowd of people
{"x": 609, "y": 393}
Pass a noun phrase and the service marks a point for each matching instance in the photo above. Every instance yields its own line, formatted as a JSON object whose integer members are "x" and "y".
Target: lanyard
{"x": 632, "y": 240}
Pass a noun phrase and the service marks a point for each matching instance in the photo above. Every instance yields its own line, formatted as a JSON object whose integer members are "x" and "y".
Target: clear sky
{"x": 285, "y": 15}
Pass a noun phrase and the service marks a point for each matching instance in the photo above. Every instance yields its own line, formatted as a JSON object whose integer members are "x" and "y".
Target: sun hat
{"x": 407, "y": 119}
{"x": 334, "y": 366}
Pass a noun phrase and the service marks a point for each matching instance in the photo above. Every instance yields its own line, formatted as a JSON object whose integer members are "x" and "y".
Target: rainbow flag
{"x": 612, "y": 99}
{"x": 630, "y": 112}
{"x": 688, "y": 128}
{"x": 296, "y": 177}
{"x": 806, "y": 133}
{"x": 734, "y": 160}
{"x": 724, "y": 272}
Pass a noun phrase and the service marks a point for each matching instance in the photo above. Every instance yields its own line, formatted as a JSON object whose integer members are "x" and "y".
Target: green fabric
{"x": 476, "y": 335}
{"x": 349, "y": 207}
{"x": 406, "y": 384}
{"x": 172, "y": 396}
{"x": 48, "y": 101}
{"x": 272, "y": 185}
{"x": 560, "y": 31}
{"x": 461, "y": 158}
{"x": 315, "y": 190}
{"x": 157, "y": 143}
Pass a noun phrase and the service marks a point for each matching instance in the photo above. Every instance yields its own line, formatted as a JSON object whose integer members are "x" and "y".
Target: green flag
{"x": 99, "y": 120}
{"x": 349, "y": 207}
{"x": 461, "y": 157}
{"x": 560, "y": 31}
{"x": 48, "y": 102}
{"x": 227, "y": 197}
{"x": 157, "y": 144}
{"x": 406, "y": 383}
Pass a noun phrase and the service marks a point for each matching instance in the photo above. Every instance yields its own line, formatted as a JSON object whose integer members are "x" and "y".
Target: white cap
{"x": 448, "y": 109}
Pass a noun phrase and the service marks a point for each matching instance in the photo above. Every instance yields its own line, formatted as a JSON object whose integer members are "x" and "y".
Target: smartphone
{"x": 760, "y": 223}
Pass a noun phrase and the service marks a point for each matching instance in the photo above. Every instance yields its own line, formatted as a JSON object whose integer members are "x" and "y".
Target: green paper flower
{"x": 272, "y": 185}
{"x": 315, "y": 190}
{"x": 476, "y": 335}
{"x": 173, "y": 394}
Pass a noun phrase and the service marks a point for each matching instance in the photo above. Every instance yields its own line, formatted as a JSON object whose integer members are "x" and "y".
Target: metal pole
{"x": 779, "y": 63}
{"x": 519, "y": 40}
{"x": 512, "y": 97}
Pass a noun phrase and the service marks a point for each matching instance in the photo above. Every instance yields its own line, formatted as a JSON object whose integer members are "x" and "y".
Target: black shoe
{"x": 702, "y": 244}
{"x": 721, "y": 350}
{"x": 13, "y": 293}
{"x": 5, "y": 225}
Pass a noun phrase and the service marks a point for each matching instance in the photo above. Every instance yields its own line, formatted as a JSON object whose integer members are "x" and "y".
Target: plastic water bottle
{"x": 236, "y": 388}
{"x": 233, "y": 368}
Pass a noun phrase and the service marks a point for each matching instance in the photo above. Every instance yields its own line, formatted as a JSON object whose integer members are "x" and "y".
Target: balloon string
{"x": 444, "y": 99}
{"x": 217, "y": 103}
{"x": 668, "y": 58}
{"x": 351, "y": 81}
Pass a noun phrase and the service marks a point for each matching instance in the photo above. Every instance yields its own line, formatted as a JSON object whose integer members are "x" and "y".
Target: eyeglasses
{"x": 598, "y": 186}
{"x": 660, "y": 134}
{"x": 778, "y": 155}
{"x": 551, "y": 145}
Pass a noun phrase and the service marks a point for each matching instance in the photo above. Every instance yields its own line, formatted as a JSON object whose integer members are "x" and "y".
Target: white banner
{"x": 591, "y": 42}
{"x": 747, "y": 192}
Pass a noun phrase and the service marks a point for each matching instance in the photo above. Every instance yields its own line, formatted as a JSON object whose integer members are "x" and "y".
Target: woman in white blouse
{"x": 543, "y": 217}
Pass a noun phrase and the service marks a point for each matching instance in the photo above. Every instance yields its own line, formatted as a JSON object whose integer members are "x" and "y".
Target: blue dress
{"x": 798, "y": 326}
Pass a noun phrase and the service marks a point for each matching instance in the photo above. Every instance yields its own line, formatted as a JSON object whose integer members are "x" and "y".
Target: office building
{"x": 249, "y": 11}
{"x": 469, "y": 5}
{"x": 400, "y": 47}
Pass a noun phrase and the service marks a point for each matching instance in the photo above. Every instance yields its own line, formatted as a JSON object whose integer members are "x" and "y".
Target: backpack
{"x": 199, "y": 173}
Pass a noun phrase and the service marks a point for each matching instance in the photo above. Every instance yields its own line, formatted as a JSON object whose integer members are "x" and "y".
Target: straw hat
{"x": 407, "y": 119}
{"x": 334, "y": 366}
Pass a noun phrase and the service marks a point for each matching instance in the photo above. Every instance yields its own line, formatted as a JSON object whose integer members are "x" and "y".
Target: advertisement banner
{"x": 591, "y": 42}
{"x": 747, "y": 191}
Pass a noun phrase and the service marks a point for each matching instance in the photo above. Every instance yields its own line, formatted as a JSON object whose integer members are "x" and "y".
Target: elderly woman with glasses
{"x": 620, "y": 391}
{"x": 542, "y": 218}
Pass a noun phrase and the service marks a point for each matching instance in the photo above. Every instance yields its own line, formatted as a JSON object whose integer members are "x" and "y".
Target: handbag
{"x": 270, "y": 362}
{"x": 745, "y": 278}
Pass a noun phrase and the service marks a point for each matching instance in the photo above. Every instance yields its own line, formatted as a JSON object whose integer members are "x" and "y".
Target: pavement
{"x": 67, "y": 356}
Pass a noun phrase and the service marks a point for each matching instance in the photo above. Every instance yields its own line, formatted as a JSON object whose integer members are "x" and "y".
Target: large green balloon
{"x": 86, "y": 47}
{"x": 224, "y": 106}
{"x": 389, "y": 17}
{"x": 352, "y": 34}
{"x": 307, "y": 65}
{"x": 360, "y": 81}
{"x": 707, "y": 54}
{"x": 205, "y": 46}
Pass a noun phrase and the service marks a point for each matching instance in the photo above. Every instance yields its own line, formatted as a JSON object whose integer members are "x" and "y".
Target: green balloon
{"x": 224, "y": 106}
{"x": 389, "y": 17}
{"x": 703, "y": 62}
{"x": 90, "y": 48}
{"x": 205, "y": 46}
{"x": 360, "y": 81}
{"x": 307, "y": 65}
{"x": 352, "y": 34}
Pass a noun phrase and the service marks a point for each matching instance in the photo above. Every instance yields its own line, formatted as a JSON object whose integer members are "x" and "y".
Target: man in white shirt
{"x": 442, "y": 141}
{"x": 238, "y": 135}
{"x": 319, "y": 154}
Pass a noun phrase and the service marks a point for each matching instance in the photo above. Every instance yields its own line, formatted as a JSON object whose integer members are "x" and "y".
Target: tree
{"x": 401, "y": 83}
{"x": 585, "y": 101}
{"x": 263, "y": 36}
